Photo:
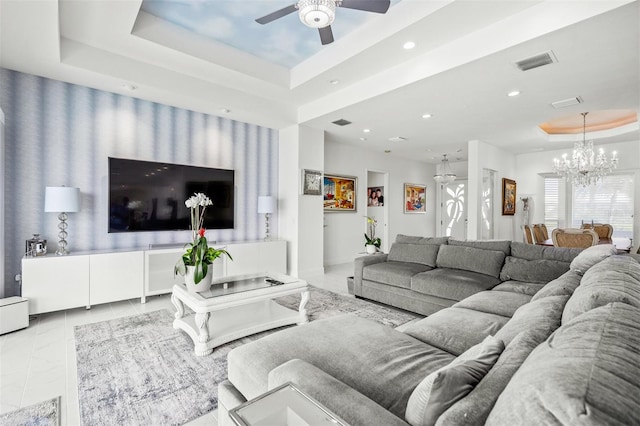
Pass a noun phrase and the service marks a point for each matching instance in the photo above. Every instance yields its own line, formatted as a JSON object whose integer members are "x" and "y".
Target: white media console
{"x": 53, "y": 283}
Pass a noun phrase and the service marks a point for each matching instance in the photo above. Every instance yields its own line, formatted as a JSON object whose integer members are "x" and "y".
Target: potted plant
{"x": 194, "y": 263}
{"x": 372, "y": 243}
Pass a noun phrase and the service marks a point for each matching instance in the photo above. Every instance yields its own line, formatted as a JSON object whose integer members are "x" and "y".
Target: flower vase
{"x": 371, "y": 249}
{"x": 203, "y": 285}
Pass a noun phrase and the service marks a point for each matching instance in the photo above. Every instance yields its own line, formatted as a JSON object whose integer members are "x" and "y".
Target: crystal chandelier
{"x": 446, "y": 175}
{"x": 585, "y": 167}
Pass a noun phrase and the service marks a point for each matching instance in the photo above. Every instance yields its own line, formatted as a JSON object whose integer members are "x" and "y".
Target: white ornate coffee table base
{"x": 221, "y": 319}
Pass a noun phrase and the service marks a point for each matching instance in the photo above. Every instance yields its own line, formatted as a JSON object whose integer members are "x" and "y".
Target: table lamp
{"x": 62, "y": 200}
{"x": 266, "y": 205}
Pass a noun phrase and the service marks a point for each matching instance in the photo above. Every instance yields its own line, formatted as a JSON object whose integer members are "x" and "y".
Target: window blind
{"x": 609, "y": 201}
{"x": 551, "y": 201}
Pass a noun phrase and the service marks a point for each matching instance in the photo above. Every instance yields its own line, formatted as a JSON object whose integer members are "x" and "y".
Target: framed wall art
{"x": 508, "y": 197}
{"x": 339, "y": 193}
{"x": 415, "y": 198}
{"x": 311, "y": 182}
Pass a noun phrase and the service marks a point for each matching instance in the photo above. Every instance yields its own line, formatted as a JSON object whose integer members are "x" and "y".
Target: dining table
{"x": 622, "y": 244}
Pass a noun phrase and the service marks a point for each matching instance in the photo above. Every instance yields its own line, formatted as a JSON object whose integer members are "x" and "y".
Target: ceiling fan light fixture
{"x": 317, "y": 13}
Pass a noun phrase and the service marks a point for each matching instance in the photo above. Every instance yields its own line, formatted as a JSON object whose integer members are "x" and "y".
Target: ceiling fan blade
{"x": 326, "y": 35}
{"x": 277, "y": 14}
{"x": 377, "y": 6}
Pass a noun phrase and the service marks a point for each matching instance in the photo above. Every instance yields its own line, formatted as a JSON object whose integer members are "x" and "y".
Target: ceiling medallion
{"x": 585, "y": 167}
{"x": 317, "y": 13}
{"x": 446, "y": 175}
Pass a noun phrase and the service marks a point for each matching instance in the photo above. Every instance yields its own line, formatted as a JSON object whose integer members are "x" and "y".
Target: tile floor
{"x": 39, "y": 362}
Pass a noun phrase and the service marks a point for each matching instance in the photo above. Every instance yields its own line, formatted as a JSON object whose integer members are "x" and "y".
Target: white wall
{"x": 343, "y": 231}
{"x": 2, "y": 175}
{"x": 485, "y": 156}
{"x": 530, "y": 167}
{"x": 300, "y": 216}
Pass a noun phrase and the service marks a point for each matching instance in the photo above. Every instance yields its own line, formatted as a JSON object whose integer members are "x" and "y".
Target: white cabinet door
{"x": 55, "y": 283}
{"x": 116, "y": 276}
{"x": 273, "y": 256}
{"x": 246, "y": 259}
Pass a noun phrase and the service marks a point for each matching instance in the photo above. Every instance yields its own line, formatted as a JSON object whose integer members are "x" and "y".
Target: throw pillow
{"x": 447, "y": 385}
{"x": 591, "y": 256}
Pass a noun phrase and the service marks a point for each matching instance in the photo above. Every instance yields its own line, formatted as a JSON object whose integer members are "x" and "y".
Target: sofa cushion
{"x": 456, "y": 329}
{"x": 592, "y": 256}
{"x": 425, "y": 254}
{"x": 587, "y": 372}
{"x": 349, "y": 404}
{"x": 397, "y": 274}
{"x": 494, "y": 302}
{"x": 519, "y": 287}
{"x": 496, "y": 245}
{"x": 542, "y": 317}
{"x": 615, "y": 279}
{"x": 474, "y": 408}
{"x": 535, "y": 252}
{"x": 488, "y": 262}
{"x": 383, "y": 364}
{"x": 409, "y": 239}
{"x": 442, "y": 388}
{"x": 564, "y": 285}
{"x": 539, "y": 271}
{"x": 453, "y": 284}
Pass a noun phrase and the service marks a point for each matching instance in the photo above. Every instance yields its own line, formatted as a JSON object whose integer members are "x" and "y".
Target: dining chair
{"x": 604, "y": 230}
{"x": 572, "y": 237}
{"x": 539, "y": 234}
{"x": 528, "y": 236}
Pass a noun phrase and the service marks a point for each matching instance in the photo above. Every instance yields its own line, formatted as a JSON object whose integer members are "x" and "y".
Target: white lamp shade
{"x": 60, "y": 199}
{"x": 266, "y": 204}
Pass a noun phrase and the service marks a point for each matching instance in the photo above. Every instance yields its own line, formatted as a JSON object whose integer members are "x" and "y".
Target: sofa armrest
{"x": 346, "y": 402}
{"x": 359, "y": 265}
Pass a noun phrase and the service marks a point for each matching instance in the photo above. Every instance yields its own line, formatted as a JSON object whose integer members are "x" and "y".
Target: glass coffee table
{"x": 237, "y": 306}
{"x": 285, "y": 405}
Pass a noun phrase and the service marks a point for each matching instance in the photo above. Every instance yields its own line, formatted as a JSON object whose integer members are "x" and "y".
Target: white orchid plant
{"x": 370, "y": 236}
{"x": 198, "y": 252}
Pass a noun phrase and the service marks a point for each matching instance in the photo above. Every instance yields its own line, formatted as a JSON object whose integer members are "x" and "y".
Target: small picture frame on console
{"x": 508, "y": 197}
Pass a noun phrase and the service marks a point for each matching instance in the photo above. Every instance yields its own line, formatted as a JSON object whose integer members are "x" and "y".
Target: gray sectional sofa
{"x": 425, "y": 275}
{"x": 566, "y": 352}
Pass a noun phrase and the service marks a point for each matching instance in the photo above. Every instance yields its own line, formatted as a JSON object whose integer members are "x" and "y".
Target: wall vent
{"x": 536, "y": 61}
{"x": 567, "y": 102}
{"x": 341, "y": 122}
{"x": 397, "y": 139}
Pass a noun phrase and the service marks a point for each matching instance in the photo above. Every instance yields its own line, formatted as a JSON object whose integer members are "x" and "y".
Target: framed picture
{"x": 339, "y": 193}
{"x": 375, "y": 196}
{"x": 508, "y": 197}
{"x": 311, "y": 182}
{"x": 415, "y": 198}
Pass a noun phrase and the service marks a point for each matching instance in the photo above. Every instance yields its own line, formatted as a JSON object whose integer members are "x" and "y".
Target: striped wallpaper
{"x": 61, "y": 134}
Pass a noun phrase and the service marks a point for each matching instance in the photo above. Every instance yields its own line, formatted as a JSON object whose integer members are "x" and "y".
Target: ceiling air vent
{"x": 397, "y": 139}
{"x": 536, "y": 61}
{"x": 341, "y": 122}
{"x": 567, "y": 102}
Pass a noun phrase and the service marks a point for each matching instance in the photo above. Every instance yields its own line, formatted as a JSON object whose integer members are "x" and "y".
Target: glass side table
{"x": 285, "y": 405}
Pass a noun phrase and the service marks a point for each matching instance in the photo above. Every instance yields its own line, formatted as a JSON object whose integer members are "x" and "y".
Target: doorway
{"x": 377, "y": 196}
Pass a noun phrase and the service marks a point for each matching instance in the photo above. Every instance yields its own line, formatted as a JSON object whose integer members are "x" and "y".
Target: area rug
{"x": 46, "y": 413}
{"x": 139, "y": 370}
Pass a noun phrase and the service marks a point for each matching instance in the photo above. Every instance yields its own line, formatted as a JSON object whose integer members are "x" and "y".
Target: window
{"x": 551, "y": 202}
{"x": 610, "y": 201}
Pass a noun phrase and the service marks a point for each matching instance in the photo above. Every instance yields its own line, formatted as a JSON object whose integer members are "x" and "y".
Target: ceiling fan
{"x": 321, "y": 13}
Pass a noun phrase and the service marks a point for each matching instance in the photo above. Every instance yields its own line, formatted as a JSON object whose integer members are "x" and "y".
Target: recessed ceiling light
{"x": 225, "y": 110}
{"x": 409, "y": 45}
{"x": 428, "y": 149}
{"x": 426, "y": 115}
{"x": 513, "y": 93}
{"x": 130, "y": 87}
{"x": 363, "y": 139}
{"x": 366, "y": 130}
{"x": 459, "y": 150}
{"x": 387, "y": 151}
{"x": 334, "y": 81}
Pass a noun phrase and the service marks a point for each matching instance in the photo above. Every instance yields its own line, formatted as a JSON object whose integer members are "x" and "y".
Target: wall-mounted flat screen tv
{"x": 150, "y": 196}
